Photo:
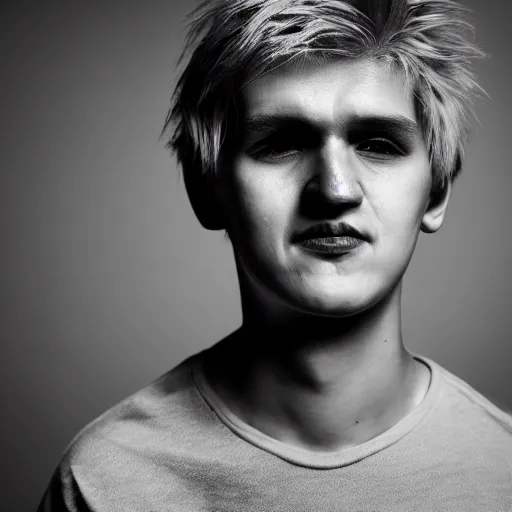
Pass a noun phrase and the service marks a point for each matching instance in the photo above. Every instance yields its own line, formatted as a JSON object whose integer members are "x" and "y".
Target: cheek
{"x": 400, "y": 202}
{"x": 262, "y": 206}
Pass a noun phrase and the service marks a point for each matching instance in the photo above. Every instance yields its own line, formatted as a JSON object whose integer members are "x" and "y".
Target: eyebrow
{"x": 395, "y": 123}
{"x": 260, "y": 123}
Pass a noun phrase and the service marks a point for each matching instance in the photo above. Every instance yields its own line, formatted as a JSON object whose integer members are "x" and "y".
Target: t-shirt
{"x": 175, "y": 447}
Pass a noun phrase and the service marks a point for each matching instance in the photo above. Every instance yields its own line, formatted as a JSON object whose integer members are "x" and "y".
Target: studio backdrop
{"x": 107, "y": 280}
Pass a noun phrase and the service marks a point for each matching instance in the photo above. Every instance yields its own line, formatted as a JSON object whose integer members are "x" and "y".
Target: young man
{"x": 323, "y": 136}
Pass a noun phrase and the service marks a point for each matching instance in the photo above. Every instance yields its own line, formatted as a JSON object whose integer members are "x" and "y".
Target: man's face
{"x": 324, "y": 143}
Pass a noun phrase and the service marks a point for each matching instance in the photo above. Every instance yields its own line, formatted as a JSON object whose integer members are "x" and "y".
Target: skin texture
{"x": 319, "y": 361}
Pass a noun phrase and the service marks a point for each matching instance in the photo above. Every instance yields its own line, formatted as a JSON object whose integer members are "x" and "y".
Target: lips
{"x": 329, "y": 230}
{"x": 330, "y": 239}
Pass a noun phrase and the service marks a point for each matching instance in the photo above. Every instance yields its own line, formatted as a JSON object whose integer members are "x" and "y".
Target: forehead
{"x": 326, "y": 93}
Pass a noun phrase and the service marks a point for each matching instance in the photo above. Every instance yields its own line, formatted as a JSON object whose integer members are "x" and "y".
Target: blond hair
{"x": 234, "y": 41}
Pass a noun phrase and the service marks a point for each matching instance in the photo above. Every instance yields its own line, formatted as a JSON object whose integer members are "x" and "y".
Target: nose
{"x": 334, "y": 183}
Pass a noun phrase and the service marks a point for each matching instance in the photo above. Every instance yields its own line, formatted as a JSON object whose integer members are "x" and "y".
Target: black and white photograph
{"x": 256, "y": 256}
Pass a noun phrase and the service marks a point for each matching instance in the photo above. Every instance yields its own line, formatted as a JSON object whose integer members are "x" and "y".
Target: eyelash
{"x": 267, "y": 149}
{"x": 392, "y": 148}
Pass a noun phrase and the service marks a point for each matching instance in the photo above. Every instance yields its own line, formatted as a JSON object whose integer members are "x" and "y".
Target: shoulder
{"x": 122, "y": 450}
{"x": 471, "y": 410}
{"x": 477, "y": 401}
{"x": 163, "y": 413}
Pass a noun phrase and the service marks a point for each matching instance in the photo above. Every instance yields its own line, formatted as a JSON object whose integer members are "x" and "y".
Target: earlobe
{"x": 436, "y": 210}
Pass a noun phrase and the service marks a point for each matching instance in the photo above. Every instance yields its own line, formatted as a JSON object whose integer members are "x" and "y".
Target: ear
{"x": 204, "y": 201}
{"x": 434, "y": 215}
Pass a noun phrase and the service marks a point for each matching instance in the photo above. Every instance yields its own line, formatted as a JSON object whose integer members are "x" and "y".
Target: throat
{"x": 320, "y": 403}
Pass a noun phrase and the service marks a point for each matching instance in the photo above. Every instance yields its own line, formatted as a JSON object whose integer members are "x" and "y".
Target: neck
{"x": 319, "y": 383}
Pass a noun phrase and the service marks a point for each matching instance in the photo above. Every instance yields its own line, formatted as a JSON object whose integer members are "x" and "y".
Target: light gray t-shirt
{"x": 175, "y": 447}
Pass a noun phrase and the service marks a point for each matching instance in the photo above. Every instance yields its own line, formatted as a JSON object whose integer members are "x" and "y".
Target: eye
{"x": 275, "y": 149}
{"x": 379, "y": 148}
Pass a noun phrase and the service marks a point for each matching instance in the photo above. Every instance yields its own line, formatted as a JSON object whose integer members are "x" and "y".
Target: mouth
{"x": 330, "y": 239}
{"x": 331, "y": 245}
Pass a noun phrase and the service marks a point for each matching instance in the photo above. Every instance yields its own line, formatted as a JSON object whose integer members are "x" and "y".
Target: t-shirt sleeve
{"x": 63, "y": 494}
{"x": 98, "y": 474}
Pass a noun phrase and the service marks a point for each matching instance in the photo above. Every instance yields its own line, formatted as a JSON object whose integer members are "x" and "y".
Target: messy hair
{"x": 234, "y": 41}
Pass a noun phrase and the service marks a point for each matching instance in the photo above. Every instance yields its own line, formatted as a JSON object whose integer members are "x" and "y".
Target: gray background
{"x": 106, "y": 278}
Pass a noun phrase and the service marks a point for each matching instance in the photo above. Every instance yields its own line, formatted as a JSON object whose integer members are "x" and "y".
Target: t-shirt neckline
{"x": 307, "y": 458}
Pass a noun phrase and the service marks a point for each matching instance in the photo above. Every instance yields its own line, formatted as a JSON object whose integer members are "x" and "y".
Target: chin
{"x": 335, "y": 298}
